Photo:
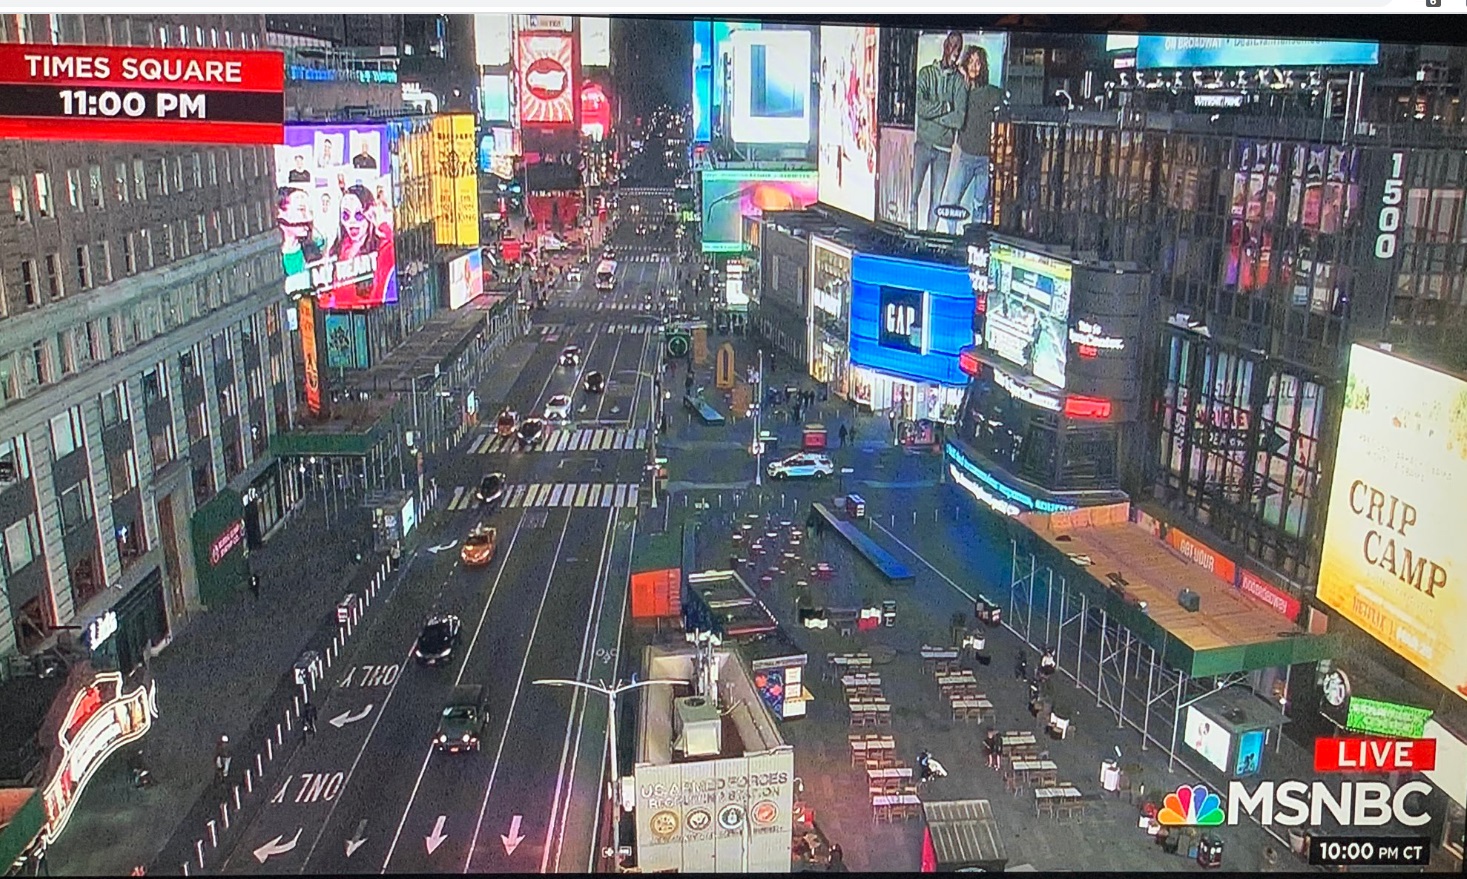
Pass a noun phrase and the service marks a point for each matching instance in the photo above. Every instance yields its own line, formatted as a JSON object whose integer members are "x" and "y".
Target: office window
{"x": 147, "y": 243}
{"x": 22, "y": 543}
{"x": 66, "y": 432}
{"x": 214, "y": 227}
{"x": 130, "y": 254}
{"x": 9, "y": 386}
{"x": 115, "y": 339}
{"x": 198, "y": 36}
{"x": 84, "y": 267}
{"x": 198, "y": 423}
{"x": 106, "y": 261}
{"x": 183, "y": 35}
{"x": 259, "y": 216}
{"x": 162, "y": 176}
{"x": 229, "y": 220}
{"x": 94, "y": 179}
{"x": 20, "y": 201}
{"x": 114, "y": 405}
{"x": 54, "y": 283}
{"x": 239, "y": 164}
{"x": 119, "y": 182}
{"x": 203, "y": 232}
{"x": 122, "y": 472}
{"x": 15, "y": 464}
{"x": 155, "y": 384}
{"x": 178, "y": 173}
{"x": 66, "y": 351}
{"x": 254, "y": 162}
{"x": 76, "y": 506}
{"x": 214, "y": 37}
{"x": 198, "y": 166}
{"x": 20, "y": 25}
{"x": 184, "y": 240}
{"x": 162, "y": 447}
{"x": 74, "y": 188}
{"x": 229, "y": 39}
{"x": 29, "y": 282}
{"x": 213, "y": 168}
{"x": 44, "y": 208}
{"x": 91, "y": 347}
{"x": 168, "y": 243}
{"x": 139, "y": 180}
{"x": 53, "y": 29}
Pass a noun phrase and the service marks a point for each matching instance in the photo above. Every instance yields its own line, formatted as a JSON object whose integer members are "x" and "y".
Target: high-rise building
{"x": 144, "y": 366}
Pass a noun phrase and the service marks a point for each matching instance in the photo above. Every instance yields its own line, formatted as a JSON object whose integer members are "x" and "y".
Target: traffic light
{"x": 679, "y": 343}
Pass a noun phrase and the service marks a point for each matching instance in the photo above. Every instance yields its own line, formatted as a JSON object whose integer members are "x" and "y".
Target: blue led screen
{"x": 946, "y": 293}
{"x": 1154, "y": 50}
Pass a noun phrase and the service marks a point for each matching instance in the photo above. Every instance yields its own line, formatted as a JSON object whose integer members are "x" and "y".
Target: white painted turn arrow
{"x": 276, "y": 847}
{"x": 358, "y": 839}
{"x": 513, "y": 840}
{"x": 437, "y": 549}
{"x": 346, "y": 717}
{"x": 435, "y": 839}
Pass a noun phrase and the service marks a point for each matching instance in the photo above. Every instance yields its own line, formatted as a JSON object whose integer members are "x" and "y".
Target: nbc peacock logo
{"x": 1191, "y": 806}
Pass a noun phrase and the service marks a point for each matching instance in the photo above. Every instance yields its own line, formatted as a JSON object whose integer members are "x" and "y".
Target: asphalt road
{"x": 368, "y": 793}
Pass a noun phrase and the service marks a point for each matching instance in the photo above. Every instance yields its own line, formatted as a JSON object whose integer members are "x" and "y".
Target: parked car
{"x": 531, "y": 431}
{"x": 550, "y": 242}
{"x": 803, "y": 464}
{"x": 491, "y": 488}
{"x": 570, "y": 355}
{"x": 479, "y": 546}
{"x": 573, "y": 276}
{"x": 594, "y": 382}
{"x": 461, "y": 724}
{"x": 437, "y": 640}
{"x": 505, "y": 424}
{"x": 557, "y": 408}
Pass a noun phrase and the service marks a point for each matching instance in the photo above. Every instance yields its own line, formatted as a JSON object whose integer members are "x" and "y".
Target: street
{"x": 369, "y": 792}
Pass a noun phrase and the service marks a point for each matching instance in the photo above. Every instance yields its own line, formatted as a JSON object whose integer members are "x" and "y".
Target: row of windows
{"x": 123, "y": 31}
{"x": 34, "y": 197}
{"x": 90, "y": 265}
{"x": 49, "y": 360}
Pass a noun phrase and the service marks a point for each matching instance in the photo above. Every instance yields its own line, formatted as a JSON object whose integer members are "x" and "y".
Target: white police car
{"x": 804, "y": 464}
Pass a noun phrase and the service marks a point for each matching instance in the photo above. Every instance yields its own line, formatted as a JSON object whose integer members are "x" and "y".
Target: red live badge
{"x": 1374, "y": 755}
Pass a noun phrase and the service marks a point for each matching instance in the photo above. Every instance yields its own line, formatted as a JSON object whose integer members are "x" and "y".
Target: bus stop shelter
{"x": 1102, "y": 593}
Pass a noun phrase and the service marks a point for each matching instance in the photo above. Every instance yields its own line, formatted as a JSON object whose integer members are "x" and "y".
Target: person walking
{"x": 255, "y": 585}
{"x": 842, "y": 436}
{"x": 993, "y": 747}
{"x": 891, "y": 418}
{"x": 308, "y": 719}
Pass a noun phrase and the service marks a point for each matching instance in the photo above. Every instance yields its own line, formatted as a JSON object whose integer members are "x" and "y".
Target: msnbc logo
{"x": 1194, "y": 805}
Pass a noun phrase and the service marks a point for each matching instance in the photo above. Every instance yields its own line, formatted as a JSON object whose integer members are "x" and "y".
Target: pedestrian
{"x": 308, "y": 719}
{"x": 852, "y": 433}
{"x": 255, "y": 585}
{"x": 1021, "y": 666}
{"x": 837, "y": 862}
{"x": 223, "y": 758}
{"x": 842, "y": 436}
{"x": 891, "y": 419}
{"x": 994, "y": 748}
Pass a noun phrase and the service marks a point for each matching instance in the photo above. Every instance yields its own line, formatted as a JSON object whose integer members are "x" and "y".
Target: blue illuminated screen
{"x": 944, "y": 298}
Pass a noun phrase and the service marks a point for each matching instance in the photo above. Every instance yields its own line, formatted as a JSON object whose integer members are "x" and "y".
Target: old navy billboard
{"x": 910, "y": 319}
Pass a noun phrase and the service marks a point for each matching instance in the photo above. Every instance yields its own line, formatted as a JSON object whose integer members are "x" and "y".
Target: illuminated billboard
{"x": 140, "y": 94}
{"x": 492, "y": 36}
{"x": 910, "y": 319}
{"x": 595, "y": 112}
{"x": 1393, "y": 548}
{"x": 495, "y": 104}
{"x": 730, "y": 195}
{"x": 410, "y": 143}
{"x": 455, "y": 181}
{"x": 346, "y": 340}
{"x": 547, "y": 91}
{"x": 595, "y": 41}
{"x": 894, "y": 182}
{"x": 702, "y": 80}
{"x": 769, "y": 84}
{"x": 310, "y": 354}
{"x": 847, "y": 129}
{"x": 334, "y": 213}
{"x": 1028, "y": 315}
{"x": 465, "y": 278}
{"x": 1154, "y": 50}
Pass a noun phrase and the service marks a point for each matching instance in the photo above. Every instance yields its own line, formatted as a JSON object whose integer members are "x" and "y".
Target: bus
{"x": 606, "y": 274}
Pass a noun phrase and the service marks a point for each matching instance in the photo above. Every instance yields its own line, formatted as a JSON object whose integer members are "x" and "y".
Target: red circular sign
{"x": 546, "y": 79}
{"x": 765, "y": 813}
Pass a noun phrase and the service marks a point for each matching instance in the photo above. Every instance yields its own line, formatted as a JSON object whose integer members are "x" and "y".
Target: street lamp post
{"x": 611, "y": 693}
{"x": 418, "y": 430}
{"x": 759, "y": 421}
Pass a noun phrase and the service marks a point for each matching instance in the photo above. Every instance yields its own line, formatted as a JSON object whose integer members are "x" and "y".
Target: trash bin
{"x": 855, "y": 506}
{"x": 308, "y": 663}
{"x": 888, "y": 613}
{"x": 1210, "y": 851}
{"x": 813, "y": 438}
{"x": 345, "y": 607}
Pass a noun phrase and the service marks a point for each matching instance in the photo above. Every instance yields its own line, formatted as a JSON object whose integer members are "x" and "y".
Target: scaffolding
{"x": 1106, "y": 658}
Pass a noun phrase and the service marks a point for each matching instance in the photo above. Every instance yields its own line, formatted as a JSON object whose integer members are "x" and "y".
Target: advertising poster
{"x": 346, "y": 341}
{"x": 1393, "y": 548}
{"x": 595, "y": 41}
{"x": 894, "y": 183}
{"x": 455, "y": 181}
{"x": 702, "y": 80}
{"x": 770, "y": 86}
{"x": 547, "y": 87}
{"x": 307, "y": 323}
{"x": 1028, "y": 316}
{"x": 1208, "y": 738}
{"x": 595, "y": 112}
{"x": 465, "y": 278}
{"x": 1250, "y": 753}
{"x": 731, "y": 195}
{"x": 494, "y": 102}
{"x": 847, "y": 121}
{"x": 410, "y": 141}
{"x": 492, "y": 33}
{"x": 140, "y": 94}
{"x": 721, "y": 72}
{"x": 1254, "y": 209}
{"x": 1153, "y": 50}
{"x": 896, "y": 302}
{"x": 334, "y": 213}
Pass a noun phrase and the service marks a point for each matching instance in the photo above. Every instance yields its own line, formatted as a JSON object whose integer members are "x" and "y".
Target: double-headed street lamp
{"x": 611, "y": 693}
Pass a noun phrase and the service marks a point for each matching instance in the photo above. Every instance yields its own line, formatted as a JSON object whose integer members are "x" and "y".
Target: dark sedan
{"x": 594, "y": 382}
{"x": 531, "y": 431}
{"x": 491, "y": 489}
{"x": 436, "y": 643}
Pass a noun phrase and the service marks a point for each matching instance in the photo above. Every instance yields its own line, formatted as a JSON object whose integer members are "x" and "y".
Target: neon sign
{"x": 1077, "y": 406}
{"x": 226, "y": 541}
{"x": 100, "y": 629}
{"x": 95, "y": 727}
{"x": 1025, "y": 393}
{"x": 1006, "y": 500}
{"x": 1091, "y": 339}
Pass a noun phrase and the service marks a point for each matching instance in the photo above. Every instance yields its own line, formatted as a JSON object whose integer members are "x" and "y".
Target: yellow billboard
{"x": 455, "y": 181}
{"x": 1393, "y": 540}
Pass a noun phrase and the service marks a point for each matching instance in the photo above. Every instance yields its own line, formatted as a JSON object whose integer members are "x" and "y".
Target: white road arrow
{"x": 583, "y": 408}
{"x": 435, "y": 839}
{"x": 358, "y": 839}
{"x": 346, "y": 717}
{"x": 276, "y": 847}
{"x": 437, "y": 549}
{"x": 513, "y": 840}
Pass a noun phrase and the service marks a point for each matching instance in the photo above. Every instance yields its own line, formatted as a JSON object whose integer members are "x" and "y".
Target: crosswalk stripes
{"x": 568, "y": 439}
{"x": 578, "y": 495}
{"x": 619, "y": 306}
{"x": 620, "y": 327}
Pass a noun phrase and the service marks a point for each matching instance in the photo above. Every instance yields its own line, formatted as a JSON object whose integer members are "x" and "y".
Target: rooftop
{"x": 748, "y": 727}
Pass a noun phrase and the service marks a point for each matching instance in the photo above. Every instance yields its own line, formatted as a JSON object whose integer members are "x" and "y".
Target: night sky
{"x": 655, "y": 64}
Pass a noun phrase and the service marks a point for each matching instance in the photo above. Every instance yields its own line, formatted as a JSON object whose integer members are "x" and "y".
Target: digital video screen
{"x": 1029, "y": 311}
{"x": 848, "y": 130}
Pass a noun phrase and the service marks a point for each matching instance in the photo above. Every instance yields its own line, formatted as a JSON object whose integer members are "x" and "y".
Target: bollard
{"x": 199, "y": 849}
{"x": 250, "y": 779}
{"x": 288, "y": 727}
{"x": 224, "y": 812}
{"x": 213, "y": 834}
{"x": 720, "y": 501}
{"x": 236, "y": 794}
{"x": 914, "y": 517}
{"x": 296, "y": 701}
{"x": 270, "y": 747}
{"x": 185, "y": 868}
{"x": 893, "y": 520}
{"x": 781, "y": 500}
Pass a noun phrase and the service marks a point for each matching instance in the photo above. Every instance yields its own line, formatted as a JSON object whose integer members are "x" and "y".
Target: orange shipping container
{"x": 657, "y": 594}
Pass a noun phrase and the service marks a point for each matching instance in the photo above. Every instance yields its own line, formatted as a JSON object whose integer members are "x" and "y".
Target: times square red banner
{"x": 141, "y": 95}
